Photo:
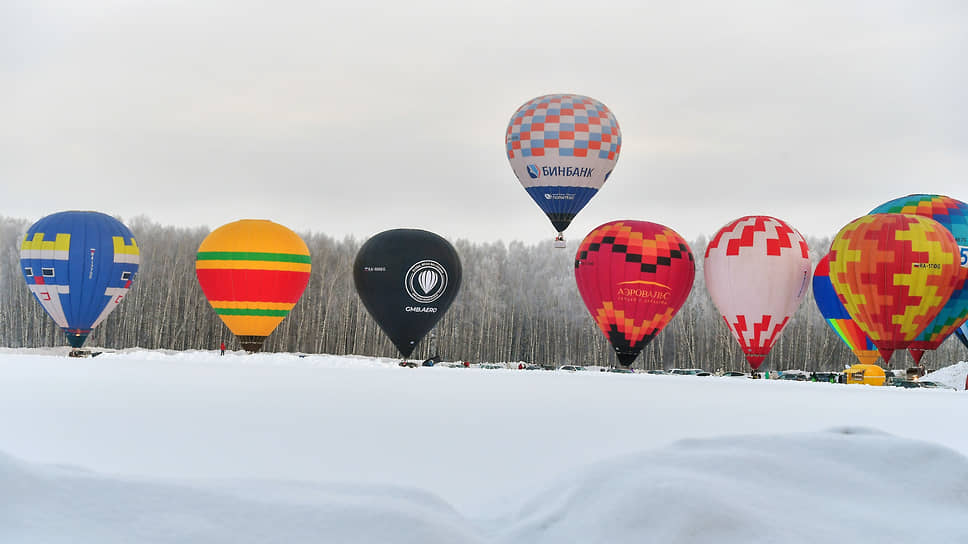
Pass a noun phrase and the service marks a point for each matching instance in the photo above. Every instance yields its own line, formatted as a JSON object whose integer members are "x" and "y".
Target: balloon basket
{"x": 560, "y": 241}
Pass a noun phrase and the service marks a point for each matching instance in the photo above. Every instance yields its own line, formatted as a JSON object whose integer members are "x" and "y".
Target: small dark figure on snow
{"x": 222, "y": 347}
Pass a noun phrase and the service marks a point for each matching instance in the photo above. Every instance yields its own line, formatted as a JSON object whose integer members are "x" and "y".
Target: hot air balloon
{"x": 407, "y": 279}
{"x": 80, "y": 266}
{"x": 953, "y": 215}
{"x": 962, "y": 334}
{"x": 836, "y": 315}
{"x": 633, "y": 276}
{"x": 894, "y": 272}
{"x": 562, "y": 148}
{"x": 757, "y": 268}
{"x": 252, "y": 272}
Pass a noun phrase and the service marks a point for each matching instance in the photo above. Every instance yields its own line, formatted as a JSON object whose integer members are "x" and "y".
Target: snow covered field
{"x": 190, "y": 447}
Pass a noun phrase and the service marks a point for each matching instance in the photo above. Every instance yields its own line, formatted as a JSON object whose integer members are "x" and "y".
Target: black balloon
{"x": 407, "y": 278}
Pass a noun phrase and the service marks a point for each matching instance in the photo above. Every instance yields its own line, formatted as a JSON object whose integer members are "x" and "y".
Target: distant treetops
{"x": 893, "y": 279}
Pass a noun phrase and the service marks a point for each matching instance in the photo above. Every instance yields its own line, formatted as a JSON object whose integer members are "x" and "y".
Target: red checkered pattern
{"x": 565, "y": 125}
{"x": 740, "y": 234}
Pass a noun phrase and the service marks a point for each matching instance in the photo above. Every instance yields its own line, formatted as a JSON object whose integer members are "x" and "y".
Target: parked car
{"x": 735, "y": 374}
{"x": 656, "y": 372}
{"x": 492, "y": 366}
{"x": 793, "y": 374}
{"x": 935, "y": 385}
{"x": 831, "y": 377}
{"x": 571, "y": 368}
{"x": 689, "y": 372}
{"x": 907, "y": 384}
{"x": 915, "y": 372}
{"x": 621, "y": 370}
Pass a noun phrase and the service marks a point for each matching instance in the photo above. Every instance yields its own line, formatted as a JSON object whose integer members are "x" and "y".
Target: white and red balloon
{"x": 757, "y": 269}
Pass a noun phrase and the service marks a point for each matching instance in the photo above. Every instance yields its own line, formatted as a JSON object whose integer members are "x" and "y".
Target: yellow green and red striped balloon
{"x": 252, "y": 273}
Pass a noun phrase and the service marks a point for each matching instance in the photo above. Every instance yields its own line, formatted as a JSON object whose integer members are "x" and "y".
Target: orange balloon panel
{"x": 894, "y": 273}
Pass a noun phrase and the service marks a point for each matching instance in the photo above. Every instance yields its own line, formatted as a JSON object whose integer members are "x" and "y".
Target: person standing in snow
{"x": 222, "y": 347}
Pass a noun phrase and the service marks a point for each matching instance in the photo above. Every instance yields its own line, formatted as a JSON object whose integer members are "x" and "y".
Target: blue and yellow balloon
{"x": 79, "y": 266}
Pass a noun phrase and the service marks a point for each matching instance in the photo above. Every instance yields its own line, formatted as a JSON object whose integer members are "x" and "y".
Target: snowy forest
{"x": 517, "y": 302}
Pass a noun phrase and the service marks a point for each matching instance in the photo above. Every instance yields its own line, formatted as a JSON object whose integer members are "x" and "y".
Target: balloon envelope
{"x": 252, "y": 272}
{"x": 79, "y": 265}
{"x": 757, "y": 268}
{"x": 962, "y": 334}
{"x": 407, "y": 279}
{"x": 562, "y": 148}
{"x": 893, "y": 272}
{"x": 835, "y": 314}
{"x": 633, "y": 276}
{"x": 953, "y": 215}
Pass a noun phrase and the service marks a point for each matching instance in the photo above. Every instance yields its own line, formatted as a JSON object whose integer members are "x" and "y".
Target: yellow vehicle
{"x": 865, "y": 374}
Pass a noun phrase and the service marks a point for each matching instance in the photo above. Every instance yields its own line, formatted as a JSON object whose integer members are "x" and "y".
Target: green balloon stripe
{"x": 251, "y": 256}
{"x": 251, "y": 311}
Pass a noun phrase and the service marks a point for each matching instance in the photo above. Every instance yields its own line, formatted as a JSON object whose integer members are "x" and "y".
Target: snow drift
{"x": 191, "y": 447}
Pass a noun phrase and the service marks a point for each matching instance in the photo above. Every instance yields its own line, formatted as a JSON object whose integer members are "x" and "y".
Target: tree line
{"x": 517, "y": 302}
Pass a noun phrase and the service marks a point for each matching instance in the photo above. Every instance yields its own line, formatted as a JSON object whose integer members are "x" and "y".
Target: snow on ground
{"x": 193, "y": 447}
{"x": 54, "y": 504}
{"x": 955, "y": 375}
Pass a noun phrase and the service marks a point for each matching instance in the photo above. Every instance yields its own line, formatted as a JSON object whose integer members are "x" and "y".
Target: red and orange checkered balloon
{"x": 894, "y": 272}
{"x": 633, "y": 276}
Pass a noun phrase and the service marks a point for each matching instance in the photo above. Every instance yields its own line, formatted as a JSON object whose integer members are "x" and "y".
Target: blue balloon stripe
{"x": 561, "y": 199}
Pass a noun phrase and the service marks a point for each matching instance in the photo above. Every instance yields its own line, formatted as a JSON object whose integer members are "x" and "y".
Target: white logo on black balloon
{"x": 426, "y": 281}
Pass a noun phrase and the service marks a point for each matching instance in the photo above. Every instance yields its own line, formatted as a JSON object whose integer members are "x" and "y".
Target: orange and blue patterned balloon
{"x": 838, "y": 318}
{"x": 894, "y": 272}
{"x": 633, "y": 276}
{"x": 953, "y": 215}
{"x": 562, "y": 148}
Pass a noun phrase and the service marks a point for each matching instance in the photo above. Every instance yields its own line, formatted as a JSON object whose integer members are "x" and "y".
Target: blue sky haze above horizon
{"x": 350, "y": 119}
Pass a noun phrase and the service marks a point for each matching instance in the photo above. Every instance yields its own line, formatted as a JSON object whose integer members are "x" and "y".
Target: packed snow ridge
{"x": 194, "y": 448}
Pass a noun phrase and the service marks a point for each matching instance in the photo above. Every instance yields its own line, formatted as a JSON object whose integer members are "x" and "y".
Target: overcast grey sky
{"x": 350, "y": 118}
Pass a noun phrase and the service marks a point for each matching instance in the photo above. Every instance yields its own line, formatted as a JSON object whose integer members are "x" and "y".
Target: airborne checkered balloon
{"x": 562, "y": 148}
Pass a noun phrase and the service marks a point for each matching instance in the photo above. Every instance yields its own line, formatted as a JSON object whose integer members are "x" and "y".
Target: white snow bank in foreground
{"x": 845, "y": 485}
{"x": 55, "y": 504}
